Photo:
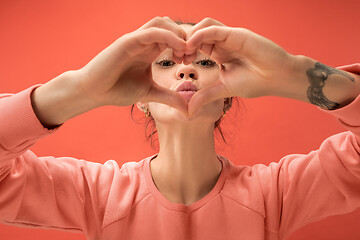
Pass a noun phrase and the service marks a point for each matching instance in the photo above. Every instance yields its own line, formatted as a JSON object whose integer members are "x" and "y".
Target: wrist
{"x": 300, "y": 80}
{"x": 342, "y": 87}
{"x": 322, "y": 85}
{"x": 59, "y": 100}
{"x": 294, "y": 82}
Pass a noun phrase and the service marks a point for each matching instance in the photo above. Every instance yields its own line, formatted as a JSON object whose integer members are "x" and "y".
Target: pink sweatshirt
{"x": 107, "y": 202}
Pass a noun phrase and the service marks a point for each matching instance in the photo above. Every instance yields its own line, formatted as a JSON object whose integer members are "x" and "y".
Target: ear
{"x": 227, "y": 104}
{"x": 141, "y": 105}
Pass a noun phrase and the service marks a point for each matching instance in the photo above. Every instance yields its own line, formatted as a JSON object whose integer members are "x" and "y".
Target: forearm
{"x": 321, "y": 85}
{"x": 59, "y": 100}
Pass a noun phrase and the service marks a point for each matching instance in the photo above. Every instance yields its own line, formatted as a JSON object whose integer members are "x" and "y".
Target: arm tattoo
{"x": 317, "y": 77}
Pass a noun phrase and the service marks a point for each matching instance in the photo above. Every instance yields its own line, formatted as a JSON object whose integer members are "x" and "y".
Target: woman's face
{"x": 202, "y": 72}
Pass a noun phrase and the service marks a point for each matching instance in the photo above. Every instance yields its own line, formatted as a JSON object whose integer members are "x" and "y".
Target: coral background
{"x": 40, "y": 39}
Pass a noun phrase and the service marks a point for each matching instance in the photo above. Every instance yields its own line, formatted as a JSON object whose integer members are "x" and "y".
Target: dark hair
{"x": 188, "y": 23}
{"x": 150, "y": 120}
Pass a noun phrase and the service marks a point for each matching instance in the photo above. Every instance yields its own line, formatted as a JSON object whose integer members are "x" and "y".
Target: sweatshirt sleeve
{"x": 304, "y": 188}
{"x": 46, "y": 192}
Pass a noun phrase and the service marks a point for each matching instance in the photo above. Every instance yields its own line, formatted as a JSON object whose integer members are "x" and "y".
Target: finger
{"x": 178, "y": 56}
{"x": 206, "y": 22}
{"x": 158, "y": 35}
{"x": 163, "y": 95}
{"x": 207, "y": 95}
{"x": 177, "y": 60}
{"x": 182, "y": 31}
{"x": 165, "y": 23}
{"x": 189, "y": 58}
{"x": 206, "y": 49}
{"x": 178, "y": 53}
{"x": 162, "y": 46}
{"x": 209, "y": 35}
{"x": 161, "y": 37}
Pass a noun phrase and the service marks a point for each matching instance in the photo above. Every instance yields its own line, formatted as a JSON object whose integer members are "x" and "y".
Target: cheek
{"x": 210, "y": 77}
{"x": 163, "y": 78}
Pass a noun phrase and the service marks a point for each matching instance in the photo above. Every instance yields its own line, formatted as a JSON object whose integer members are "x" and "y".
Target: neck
{"x": 186, "y": 168}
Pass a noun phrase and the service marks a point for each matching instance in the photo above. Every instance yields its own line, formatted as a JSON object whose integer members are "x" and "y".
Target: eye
{"x": 166, "y": 63}
{"x": 206, "y": 62}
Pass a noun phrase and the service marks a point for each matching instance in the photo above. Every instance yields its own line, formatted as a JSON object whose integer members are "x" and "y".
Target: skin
{"x": 126, "y": 72}
{"x": 186, "y": 167}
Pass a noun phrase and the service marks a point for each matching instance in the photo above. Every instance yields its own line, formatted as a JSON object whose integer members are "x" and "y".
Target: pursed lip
{"x": 187, "y": 86}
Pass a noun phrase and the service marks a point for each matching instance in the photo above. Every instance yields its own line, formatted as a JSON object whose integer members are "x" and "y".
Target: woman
{"x": 184, "y": 77}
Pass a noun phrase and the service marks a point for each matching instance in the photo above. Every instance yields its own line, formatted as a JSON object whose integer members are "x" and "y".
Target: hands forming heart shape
{"x": 250, "y": 65}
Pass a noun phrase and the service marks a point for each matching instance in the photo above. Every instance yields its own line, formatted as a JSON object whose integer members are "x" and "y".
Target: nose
{"x": 185, "y": 72}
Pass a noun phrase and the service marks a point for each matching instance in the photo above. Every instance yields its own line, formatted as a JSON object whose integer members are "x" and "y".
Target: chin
{"x": 210, "y": 112}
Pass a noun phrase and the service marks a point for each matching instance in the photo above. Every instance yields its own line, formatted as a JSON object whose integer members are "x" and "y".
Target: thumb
{"x": 207, "y": 95}
{"x": 166, "y": 96}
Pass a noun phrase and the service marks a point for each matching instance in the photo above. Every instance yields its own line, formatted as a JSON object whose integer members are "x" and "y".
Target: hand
{"x": 121, "y": 74}
{"x": 250, "y": 65}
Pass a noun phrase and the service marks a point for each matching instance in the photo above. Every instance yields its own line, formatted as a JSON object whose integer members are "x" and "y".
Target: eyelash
{"x": 173, "y": 63}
